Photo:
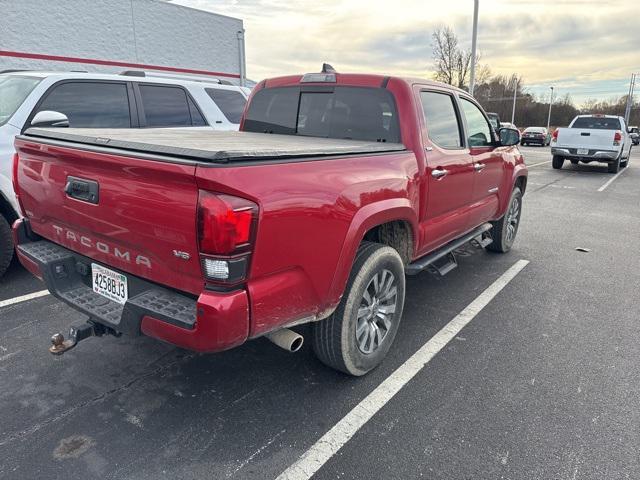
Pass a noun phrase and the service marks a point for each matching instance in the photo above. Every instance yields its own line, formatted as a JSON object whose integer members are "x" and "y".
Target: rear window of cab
{"x": 356, "y": 113}
{"x": 597, "y": 123}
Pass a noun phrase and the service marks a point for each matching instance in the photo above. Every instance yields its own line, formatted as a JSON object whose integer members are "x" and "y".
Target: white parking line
{"x": 536, "y": 164}
{"x": 23, "y": 298}
{"x": 610, "y": 181}
{"x": 329, "y": 444}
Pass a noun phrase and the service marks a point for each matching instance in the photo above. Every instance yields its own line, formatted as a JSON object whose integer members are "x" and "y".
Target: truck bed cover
{"x": 210, "y": 145}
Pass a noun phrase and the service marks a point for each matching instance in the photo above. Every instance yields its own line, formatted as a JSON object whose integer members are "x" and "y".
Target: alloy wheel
{"x": 376, "y": 311}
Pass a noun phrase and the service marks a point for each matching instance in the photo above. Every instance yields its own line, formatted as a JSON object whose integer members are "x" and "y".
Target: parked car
{"x": 508, "y": 125}
{"x": 592, "y": 138}
{"x": 336, "y": 187}
{"x": 634, "y": 133}
{"x": 133, "y": 99}
{"x": 536, "y": 136}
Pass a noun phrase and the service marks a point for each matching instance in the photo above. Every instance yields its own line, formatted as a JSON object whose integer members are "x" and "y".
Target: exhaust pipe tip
{"x": 297, "y": 343}
{"x": 286, "y": 339}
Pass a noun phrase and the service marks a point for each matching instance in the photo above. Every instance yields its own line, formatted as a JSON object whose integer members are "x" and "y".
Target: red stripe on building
{"x": 112, "y": 63}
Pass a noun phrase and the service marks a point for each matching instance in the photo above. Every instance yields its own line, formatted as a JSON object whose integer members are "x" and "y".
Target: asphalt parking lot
{"x": 543, "y": 383}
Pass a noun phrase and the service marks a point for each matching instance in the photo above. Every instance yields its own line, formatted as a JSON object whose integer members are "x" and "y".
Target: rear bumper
{"x": 214, "y": 321}
{"x": 597, "y": 155}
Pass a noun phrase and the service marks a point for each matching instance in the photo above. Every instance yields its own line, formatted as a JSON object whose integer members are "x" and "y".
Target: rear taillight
{"x": 554, "y": 135}
{"x": 617, "y": 137}
{"x": 226, "y": 226}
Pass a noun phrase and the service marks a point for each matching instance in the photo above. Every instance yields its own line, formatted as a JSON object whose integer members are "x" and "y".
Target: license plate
{"x": 109, "y": 284}
{"x": 583, "y": 151}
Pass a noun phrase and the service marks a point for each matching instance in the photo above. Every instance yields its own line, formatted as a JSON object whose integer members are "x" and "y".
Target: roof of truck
{"x": 360, "y": 79}
{"x": 600, "y": 115}
{"x": 205, "y": 144}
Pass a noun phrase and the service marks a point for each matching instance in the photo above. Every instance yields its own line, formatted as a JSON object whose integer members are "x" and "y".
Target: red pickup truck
{"x": 336, "y": 187}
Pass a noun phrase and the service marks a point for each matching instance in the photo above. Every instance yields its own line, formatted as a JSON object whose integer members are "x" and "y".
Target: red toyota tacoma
{"x": 336, "y": 187}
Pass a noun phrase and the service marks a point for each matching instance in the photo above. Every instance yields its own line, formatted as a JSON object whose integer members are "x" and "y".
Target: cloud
{"x": 573, "y": 42}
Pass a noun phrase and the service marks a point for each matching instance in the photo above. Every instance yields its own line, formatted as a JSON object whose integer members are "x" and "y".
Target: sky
{"x": 587, "y": 48}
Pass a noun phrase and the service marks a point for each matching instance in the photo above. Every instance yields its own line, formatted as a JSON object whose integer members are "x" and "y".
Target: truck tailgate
{"x": 593, "y": 139}
{"x": 132, "y": 214}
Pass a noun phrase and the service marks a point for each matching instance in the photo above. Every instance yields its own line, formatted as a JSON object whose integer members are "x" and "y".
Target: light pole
{"x": 241, "y": 58}
{"x": 627, "y": 110}
{"x": 472, "y": 80}
{"x": 513, "y": 110}
{"x": 550, "y": 103}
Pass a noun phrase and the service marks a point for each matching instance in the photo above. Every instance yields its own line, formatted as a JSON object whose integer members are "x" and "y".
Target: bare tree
{"x": 452, "y": 63}
{"x": 483, "y": 72}
{"x": 445, "y": 54}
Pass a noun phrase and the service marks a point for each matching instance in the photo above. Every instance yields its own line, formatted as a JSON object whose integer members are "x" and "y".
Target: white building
{"x": 116, "y": 35}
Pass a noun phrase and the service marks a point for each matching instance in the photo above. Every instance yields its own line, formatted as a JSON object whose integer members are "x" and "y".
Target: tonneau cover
{"x": 209, "y": 145}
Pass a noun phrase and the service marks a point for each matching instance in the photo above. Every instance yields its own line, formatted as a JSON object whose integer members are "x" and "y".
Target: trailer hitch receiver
{"x": 76, "y": 334}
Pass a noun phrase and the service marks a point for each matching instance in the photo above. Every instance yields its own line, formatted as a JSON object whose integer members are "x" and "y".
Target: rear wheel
{"x": 626, "y": 160}
{"x": 6, "y": 245}
{"x": 505, "y": 229}
{"x": 357, "y": 336}
{"x": 614, "y": 167}
{"x": 557, "y": 162}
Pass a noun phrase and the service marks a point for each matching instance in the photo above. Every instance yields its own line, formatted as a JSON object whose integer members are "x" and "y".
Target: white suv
{"x": 133, "y": 99}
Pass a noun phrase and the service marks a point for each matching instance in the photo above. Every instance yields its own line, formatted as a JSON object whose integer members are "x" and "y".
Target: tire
{"x": 614, "y": 167}
{"x": 505, "y": 229}
{"x": 623, "y": 164}
{"x": 335, "y": 340}
{"x": 557, "y": 162}
{"x": 6, "y": 245}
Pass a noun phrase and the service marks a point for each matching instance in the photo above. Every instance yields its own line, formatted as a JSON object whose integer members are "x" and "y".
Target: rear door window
{"x": 440, "y": 114}
{"x": 165, "y": 106}
{"x": 478, "y": 130}
{"x": 90, "y": 104}
{"x": 230, "y": 102}
{"x": 356, "y": 113}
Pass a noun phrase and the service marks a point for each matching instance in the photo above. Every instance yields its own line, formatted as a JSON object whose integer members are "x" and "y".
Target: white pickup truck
{"x": 592, "y": 138}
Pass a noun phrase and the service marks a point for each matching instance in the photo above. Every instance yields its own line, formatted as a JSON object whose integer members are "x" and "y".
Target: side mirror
{"x": 49, "y": 118}
{"x": 509, "y": 137}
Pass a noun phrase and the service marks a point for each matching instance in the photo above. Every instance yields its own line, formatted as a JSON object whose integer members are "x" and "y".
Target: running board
{"x": 443, "y": 259}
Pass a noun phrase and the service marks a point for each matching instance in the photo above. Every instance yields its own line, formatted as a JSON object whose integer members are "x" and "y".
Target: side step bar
{"x": 443, "y": 259}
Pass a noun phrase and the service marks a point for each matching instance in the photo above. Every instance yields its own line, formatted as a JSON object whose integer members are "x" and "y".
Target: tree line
{"x": 495, "y": 93}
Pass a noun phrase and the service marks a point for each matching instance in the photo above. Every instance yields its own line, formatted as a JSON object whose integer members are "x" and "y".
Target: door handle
{"x": 478, "y": 166}
{"x": 439, "y": 172}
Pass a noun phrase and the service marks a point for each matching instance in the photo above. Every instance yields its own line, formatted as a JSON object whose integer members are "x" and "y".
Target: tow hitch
{"x": 78, "y": 333}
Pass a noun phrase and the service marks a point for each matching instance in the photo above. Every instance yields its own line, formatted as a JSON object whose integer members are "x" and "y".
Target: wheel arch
{"x": 391, "y": 222}
{"x": 517, "y": 179}
{"x": 521, "y": 183}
